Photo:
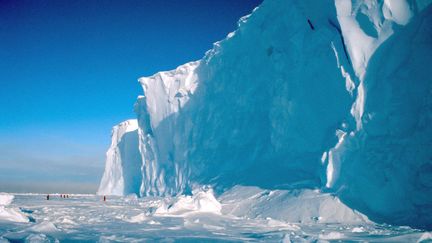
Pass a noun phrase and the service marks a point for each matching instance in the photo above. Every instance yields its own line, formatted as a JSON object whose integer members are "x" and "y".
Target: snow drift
{"x": 199, "y": 201}
{"x": 303, "y": 95}
{"x": 295, "y": 206}
{"x": 8, "y": 213}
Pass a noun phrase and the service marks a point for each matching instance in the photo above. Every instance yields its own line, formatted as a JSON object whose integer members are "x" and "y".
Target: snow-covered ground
{"x": 326, "y": 104}
{"x": 238, "y": 215}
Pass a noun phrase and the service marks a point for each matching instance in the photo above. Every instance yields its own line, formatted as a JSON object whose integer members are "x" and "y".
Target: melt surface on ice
{"x": 281, "y": 105}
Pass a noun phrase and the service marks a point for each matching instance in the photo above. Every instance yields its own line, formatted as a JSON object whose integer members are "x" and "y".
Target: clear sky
{"x": 68, "y": 73}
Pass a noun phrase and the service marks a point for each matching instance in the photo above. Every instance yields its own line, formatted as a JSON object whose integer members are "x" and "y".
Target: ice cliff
{"x": 307, "y": 94}
{"x": 122, "y": 174}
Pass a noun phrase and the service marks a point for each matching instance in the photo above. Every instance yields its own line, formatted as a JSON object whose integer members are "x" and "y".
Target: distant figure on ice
{"x": 48, "y": 197}
{"x": 310, "y": 24}
{"x": 104, "y": 198}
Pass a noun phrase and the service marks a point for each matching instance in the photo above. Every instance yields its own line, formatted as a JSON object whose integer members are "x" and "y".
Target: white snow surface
{"x": 124, "y": 219}
{"x": 6, "y": 199}
{"x": 8, "y": 213}
{"x": 298, "y": 206}
{"x": 44, "y": 227}
{"x": 199, "y": 201}
{"x": 12, "y": 214}
{"x": 342, "y": 105}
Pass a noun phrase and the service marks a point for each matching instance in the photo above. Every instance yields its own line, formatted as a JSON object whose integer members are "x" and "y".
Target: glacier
{"x": 305, "y": 95}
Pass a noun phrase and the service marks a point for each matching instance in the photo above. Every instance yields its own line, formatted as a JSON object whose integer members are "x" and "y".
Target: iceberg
{"x": 304, "y": 95}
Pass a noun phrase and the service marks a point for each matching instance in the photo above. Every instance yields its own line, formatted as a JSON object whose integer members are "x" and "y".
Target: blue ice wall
{"x": 269, "y": 100}
{"x": 304, "y": 94}
{"x": 386, "y": 167}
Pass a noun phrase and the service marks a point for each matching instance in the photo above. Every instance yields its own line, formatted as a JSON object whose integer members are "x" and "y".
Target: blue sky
{"x": 68, "y": 72}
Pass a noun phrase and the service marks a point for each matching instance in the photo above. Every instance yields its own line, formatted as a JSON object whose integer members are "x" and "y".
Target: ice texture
{"x": 385, "y": 167}
{"x": 297, "y": 206}
{"x": 122, "y": 174}
{"x": 252, "y": 109}
{"x": 8, "y": 213}
{"x": 6, "y": 199}
{"x": 199, "y": 201}
{"x": 305, "y": 94}
{"x": 166, "y": 93}
{"x": 244, "y": 217}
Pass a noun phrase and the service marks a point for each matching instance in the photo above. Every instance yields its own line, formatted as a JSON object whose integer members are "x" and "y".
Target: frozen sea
{"x": 87, "y": 218}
